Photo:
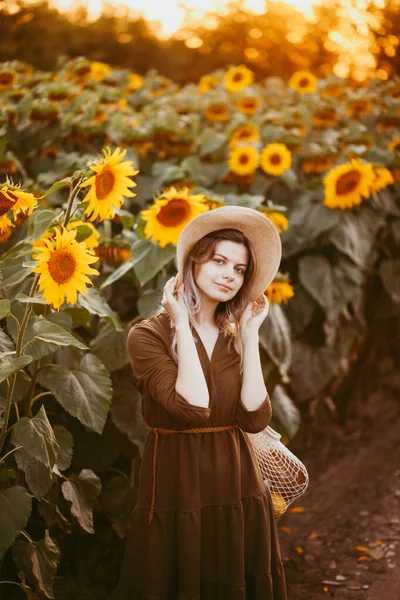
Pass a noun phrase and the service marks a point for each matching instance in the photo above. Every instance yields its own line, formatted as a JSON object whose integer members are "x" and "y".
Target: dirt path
{"x": 353, "y": 500}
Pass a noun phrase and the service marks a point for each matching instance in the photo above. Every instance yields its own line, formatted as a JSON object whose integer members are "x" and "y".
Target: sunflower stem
{"x": 20, "y": 340}
{"x": 73, "y": 194}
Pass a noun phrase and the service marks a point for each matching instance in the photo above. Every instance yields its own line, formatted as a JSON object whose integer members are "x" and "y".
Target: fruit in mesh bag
{"x": 284, "y": 471}
{"x": 278, "y": 503}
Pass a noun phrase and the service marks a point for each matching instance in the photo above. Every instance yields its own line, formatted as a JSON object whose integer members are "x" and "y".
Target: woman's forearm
{"x": 190, "y": 383}
{"x": 253, "y": 392}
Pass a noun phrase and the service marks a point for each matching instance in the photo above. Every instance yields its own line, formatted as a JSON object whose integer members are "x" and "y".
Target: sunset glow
{"x": 171, "y": 15}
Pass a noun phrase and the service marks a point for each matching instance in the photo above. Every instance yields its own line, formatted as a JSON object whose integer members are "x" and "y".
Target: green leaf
{"x": 152, "y": 258}
{"x": 332, "y": 286}
{"x": 39, "y": 478}
{"x": 65, "y": 442}
{"x": 96, "y": 305}
{"x": 83, "y": 232}
{"x": 126, "y": 411}
{"x": 149, "y": 302}
{"x": 54, "y": 334}
{"x": 107, "y": 337}
{"x": 127, "y": 218}
{"x": 42, "y": 220}
{"x": 275, "y": 339}
{"x": 67, "y": 181}
{"x": 210, "y": 141}
{"x": 37, "y": 349}
{"x": 118, "y": 273}
{"x": 39, "y": 561}
{"x": 37, "y": 437}
{"x": 306, "y": 222}
{"x": 4, "y": 308}
{"x": 389, "y": 271}
{"x": 82, "y": 490}
{"x": 312, "y": 369}
{"x": 12, "y": 365}
{"x": 37, "y": 299}
{"x": 15, "y": 508}
{"x": 285, "y": 410}
{"x": 84, "y": 392}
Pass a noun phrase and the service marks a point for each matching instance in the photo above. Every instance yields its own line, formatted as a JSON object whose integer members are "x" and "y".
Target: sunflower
{"x": 318, "y": 164}
{"x": 278, "y": 219}
{"x": 333, "y": 90}
{"x": 279, "y": 291}
{"x": 244, "y": 133}
{"x": 358, "y": 108}
{"x": 135, "y": 82}
{"x": 114, "y": 254}
{"x": 325, "y": 117}
{"x": 7, "y": 78}
{"x": 207, "y": 83}
{"x": 244, "y": 159}
{"x": 304, "y": 82}
{"x": 346, "y": 185}
{"x": 248, "y": 105}
{"x": 217, "y": 112}
{"x": 170, "y": 213}
{"x": 12, "y": 198}
{"x": 98, "y": 70}
{"x": 276, "y": 158}
{"x": 5, "y": 235}
{"x": 109, "y": 184}
{"x": 63, "y": 266}
{"x": 394, "y": 145}
{"x": 237, "y": 78}
{"x": 383, "y": 178}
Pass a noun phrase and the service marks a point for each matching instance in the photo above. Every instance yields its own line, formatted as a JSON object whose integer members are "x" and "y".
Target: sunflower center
{"x": 5, "y": 203}
{"x": 62, "y": 265}
{"x": 275, "y": 158}
{"x": 104, "y": 183}
{"x": 174, "y": 213}
{"x": 244, "y": 159}
{"x": 237, "y": 77}
{"x": 348, "y": 182}
{"x": 6, "y": 78}
{"x": 304, "y": 81}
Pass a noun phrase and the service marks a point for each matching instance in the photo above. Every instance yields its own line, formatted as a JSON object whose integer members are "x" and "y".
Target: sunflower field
{"x": 100, "y": 170}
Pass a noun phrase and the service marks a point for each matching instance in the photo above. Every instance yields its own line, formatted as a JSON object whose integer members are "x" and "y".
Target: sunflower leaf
{"x": 58, "y": 184}
{"x": 96, "y": 305}
{"x": 10, "y": 366}
{"x": 84, "y": 391}
{"x": 51, "y": 333}
{"x": 149, "y": 258}
{"x": 82, "y": 491}
{"x": 4, "y": 308}
{"x": 83, "y": 232}
{"x": 15, "y": 508}
{"x": 37, "y": 437}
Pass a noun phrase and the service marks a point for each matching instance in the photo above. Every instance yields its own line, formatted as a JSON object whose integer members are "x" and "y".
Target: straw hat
{"x": 260, "y": 230}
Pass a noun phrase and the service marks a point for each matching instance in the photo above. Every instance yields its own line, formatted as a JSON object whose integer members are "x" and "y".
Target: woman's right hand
{"x": 176, "y": 307}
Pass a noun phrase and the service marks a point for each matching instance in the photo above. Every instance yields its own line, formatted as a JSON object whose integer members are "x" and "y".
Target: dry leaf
{"x": 285, "y": 529}
{"x": 299, "y": 549}
{"x": 363, "y": 558}
{"x": 297, "y": 509}
{"x": 312, "y": 536}
{"x": 326, "y": 589}
{"x": 362, "y": 548}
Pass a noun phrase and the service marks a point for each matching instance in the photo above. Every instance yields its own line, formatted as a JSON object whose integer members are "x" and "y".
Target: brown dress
{"x": 213, "y": 535}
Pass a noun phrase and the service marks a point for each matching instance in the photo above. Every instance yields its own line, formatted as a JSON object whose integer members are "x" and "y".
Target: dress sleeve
{"x": 155, "y": 373}
{"x": 254, "y": 421}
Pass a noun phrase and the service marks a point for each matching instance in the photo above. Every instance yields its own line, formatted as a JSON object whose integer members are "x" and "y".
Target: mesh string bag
{"x": 283, "y": 473}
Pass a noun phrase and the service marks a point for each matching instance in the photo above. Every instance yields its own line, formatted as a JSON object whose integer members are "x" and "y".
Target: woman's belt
{"x": 158, "y": 431}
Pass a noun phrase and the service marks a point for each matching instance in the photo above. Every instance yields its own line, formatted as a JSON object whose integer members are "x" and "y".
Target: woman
{"x": 203, "y": 526}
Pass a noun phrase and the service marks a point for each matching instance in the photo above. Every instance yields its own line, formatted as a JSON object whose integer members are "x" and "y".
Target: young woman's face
{"x": 226, "y": 266}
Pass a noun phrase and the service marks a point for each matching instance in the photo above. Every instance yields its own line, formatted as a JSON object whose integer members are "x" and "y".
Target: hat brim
{"x": 258, "y": 228}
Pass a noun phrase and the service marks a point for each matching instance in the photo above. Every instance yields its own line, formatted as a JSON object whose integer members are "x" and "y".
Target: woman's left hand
{"x": 253, "y": 315}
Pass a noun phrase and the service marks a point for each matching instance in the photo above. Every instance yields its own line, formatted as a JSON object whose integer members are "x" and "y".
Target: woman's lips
{"x": 224, "y": 287}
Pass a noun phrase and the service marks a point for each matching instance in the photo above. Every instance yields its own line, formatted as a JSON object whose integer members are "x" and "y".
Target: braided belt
{"x": 158, "y": 431}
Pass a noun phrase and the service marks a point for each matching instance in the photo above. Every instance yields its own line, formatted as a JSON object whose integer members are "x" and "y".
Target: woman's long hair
{"x": 227, "y": 313}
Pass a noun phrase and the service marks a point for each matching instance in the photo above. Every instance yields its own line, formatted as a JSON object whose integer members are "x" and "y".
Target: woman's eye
{"x": 220, "y": 259}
